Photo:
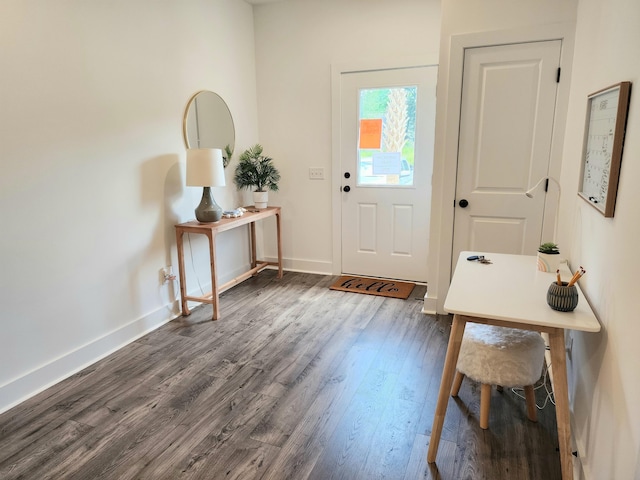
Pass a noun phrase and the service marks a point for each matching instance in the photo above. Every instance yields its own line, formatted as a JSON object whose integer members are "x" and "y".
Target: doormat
{"x": 374, "y": 286}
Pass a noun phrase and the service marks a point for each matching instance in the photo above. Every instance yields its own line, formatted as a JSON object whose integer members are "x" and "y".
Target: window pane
{"x": 387, "y": 121}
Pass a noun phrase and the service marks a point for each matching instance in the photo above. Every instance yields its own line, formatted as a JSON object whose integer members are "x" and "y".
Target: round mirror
{"x": 208, "y": 124}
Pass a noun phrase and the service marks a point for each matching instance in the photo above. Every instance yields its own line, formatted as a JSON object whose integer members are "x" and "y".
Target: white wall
{"x": 92, "y": 96}
{"x": 297, "y": 42}
{"x": 604, "y": 380}
{"x": 467, "y": 24}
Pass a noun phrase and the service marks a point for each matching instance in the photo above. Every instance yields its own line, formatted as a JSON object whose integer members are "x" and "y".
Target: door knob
{"x": 463, "y": 203}
{"x": 347, "y": 175}
{"x": 346, "y": 188}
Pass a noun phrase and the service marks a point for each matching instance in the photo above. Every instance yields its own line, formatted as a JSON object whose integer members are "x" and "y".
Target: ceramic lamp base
{"x": 208, "y": 211}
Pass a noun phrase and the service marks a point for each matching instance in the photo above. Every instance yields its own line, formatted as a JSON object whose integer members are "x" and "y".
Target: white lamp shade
{"x": 205, "y": 167}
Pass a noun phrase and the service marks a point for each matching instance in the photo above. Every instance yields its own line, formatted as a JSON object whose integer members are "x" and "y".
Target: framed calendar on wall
{"x": 603, "y": 141}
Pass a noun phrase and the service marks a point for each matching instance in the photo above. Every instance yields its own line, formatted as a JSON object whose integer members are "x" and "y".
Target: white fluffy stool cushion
{"x": 501, "y": 356}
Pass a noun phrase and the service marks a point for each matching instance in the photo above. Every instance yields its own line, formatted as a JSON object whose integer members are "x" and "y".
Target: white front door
{"x": 506, "y": 127}
{"x": 386, "y": 157}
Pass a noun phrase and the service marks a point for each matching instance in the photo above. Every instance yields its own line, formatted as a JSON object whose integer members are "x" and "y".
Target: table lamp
{"x": 205, "y": 169}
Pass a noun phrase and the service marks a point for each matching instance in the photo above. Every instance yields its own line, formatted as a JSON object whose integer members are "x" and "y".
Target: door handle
{"x": 347, "y": 175}
{"x": 463, "y": 203}
{"x": 346, "y": 188}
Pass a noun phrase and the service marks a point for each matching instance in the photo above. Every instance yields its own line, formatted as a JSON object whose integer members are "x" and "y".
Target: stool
{"x": 506, "y": 357}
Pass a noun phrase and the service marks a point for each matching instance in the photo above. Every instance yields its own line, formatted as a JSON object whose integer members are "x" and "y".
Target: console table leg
{"x": 183, "y": 287}
{"x": 214, "y": 275}
{"x": 279, "y": 245}
{"x": 252, "y": 240}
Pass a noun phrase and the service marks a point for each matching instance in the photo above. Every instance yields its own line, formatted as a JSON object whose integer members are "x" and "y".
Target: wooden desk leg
{"x": 451, "y": 360}
{"x": 279, "y": 245}
{"x": 252, "y": 240}
{"x": 214, "y": 275}
{"x": 183, "y": 286}
{"x": 561, "y": 394}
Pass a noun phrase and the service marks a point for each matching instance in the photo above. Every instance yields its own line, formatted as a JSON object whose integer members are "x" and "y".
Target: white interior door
{"x": 506, "y": 127}
{"x": 386, "y": 157}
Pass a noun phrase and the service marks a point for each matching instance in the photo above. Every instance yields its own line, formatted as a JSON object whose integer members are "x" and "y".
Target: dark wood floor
{"x": 295, "y": 381}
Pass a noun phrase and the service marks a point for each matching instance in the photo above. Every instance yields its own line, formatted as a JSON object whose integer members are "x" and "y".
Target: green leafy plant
{"x": 228, "y": 153}
{"x": 257, "y": 171}
{"x": 549, "y": 248}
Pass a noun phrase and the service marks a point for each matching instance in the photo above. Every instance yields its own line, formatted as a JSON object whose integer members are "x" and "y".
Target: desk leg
{"x": 214, "y": 275}
{"x": 279, "y": 245}
{"x": 561, "y": 394}
{"x": 451, "y": 360}
{"x": 183, "y": 287}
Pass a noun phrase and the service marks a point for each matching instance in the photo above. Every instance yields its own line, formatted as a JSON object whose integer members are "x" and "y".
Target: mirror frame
{"x": 185, "y": 117}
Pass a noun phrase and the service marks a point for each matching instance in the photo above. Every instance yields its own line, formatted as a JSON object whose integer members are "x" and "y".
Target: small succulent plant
{"x": 549, "y": 248}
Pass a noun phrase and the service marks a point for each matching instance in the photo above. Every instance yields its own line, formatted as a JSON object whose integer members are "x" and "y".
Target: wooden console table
{"x": 211, "y": 230}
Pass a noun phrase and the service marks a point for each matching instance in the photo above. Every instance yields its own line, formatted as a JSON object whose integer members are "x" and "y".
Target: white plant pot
{"x": 548, "y": 262}
{"x": 260, "y": 199}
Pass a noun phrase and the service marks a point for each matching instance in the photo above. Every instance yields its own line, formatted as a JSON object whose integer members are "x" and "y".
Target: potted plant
{"x": 548, "y": 259}
{"x": 228, "y": 153}
{"x": 257, "y": 171}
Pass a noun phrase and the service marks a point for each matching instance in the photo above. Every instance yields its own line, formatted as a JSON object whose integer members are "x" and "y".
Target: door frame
{"x": 445, "y": 165}
{"x": 337, "y": 69}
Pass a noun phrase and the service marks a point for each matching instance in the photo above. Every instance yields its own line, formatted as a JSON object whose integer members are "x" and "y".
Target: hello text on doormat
{"x": 373, "y": 286}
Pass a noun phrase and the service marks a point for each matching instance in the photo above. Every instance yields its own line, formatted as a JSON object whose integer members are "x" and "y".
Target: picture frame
{"x": 605, "y": 129}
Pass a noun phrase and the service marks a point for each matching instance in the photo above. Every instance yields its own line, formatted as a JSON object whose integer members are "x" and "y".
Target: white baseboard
{"x": 430, "y": 306}
{"x": 305, "y": 266}
{"x": 41, "y": 378}
{"x": 580, "y": 470}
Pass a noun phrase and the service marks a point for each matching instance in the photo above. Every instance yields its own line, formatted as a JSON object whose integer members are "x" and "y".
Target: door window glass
{"x": 387, "y": 131}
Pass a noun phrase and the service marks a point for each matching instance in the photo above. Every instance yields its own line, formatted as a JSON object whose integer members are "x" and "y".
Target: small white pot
{"x": 548, "y": 262}
{"x": 260, "y": 199}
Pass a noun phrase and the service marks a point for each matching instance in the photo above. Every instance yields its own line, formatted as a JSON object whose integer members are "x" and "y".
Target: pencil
{"x": 577, "y": 276}
{"x": 559, "y": 280}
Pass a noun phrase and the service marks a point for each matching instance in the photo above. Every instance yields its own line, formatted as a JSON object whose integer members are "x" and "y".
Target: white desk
{"x": 510, "y": 292}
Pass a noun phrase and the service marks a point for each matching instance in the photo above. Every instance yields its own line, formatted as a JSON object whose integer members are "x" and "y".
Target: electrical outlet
{"x": 569, "y": 344}
{"x": 316, "y": 173}
{"x": 166, "y": 274}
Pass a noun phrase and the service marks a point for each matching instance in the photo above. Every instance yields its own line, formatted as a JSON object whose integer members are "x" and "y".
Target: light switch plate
{"x": 316, "y": 173}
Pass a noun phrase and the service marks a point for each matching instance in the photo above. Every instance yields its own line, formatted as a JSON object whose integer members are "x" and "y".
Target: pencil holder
{"x": 563, "y": 298}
